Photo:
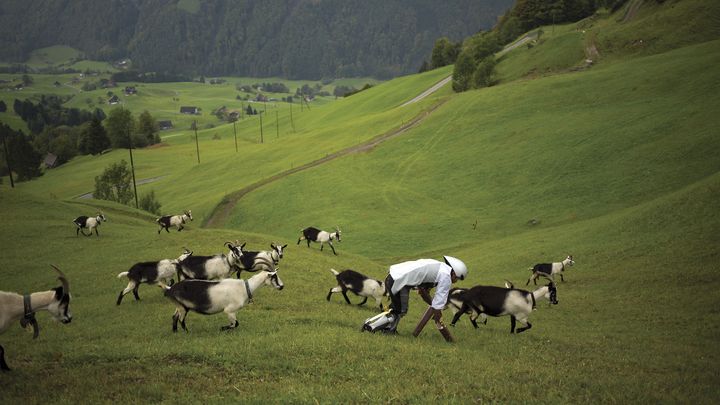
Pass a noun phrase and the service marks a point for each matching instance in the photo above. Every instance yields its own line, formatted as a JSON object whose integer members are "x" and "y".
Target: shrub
{"x": 149, "y": 203}
{"x": 114, "y": 184}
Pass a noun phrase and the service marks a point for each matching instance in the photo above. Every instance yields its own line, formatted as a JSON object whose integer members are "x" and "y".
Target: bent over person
{"x": 422, "y": 274}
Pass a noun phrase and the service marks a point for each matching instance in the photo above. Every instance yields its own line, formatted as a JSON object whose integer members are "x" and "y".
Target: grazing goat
{"x": 211, "y": 297}
{"x": 160, "y": 273}
{"x": 360, "y": 285}
{"x": 549, "y": 270}
{"x": 23, "y": 307}
{"x": 90, "y": 223}
{"x": 212, "y": 267}
{"x": 316, "y": 235}
{"x": 254, "y": 261}
{"x": 499, "y": 301}
{"x": 177, "y": 221}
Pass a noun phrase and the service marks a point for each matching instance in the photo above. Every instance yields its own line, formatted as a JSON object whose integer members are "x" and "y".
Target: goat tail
{"x": 123, "y": 274}
{"x": 334, "y": 272}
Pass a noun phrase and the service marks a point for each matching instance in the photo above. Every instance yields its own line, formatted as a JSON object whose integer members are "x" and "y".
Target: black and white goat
{"x": 177, "y": 221}
{"x": 89, "y": 223}
{"x": 360, "y": 285}
{"x": 212, "y": 297}
{"x": 312, "y": 234}
{"x": 499, "y": 301}
{"x": 15, "y": 307}
{"x": 455, "y": 304}
{"x": 253, "y": 261}
{"x": 212, "y": 267}
{"x": 549, "y": 270}
{"x": 160, "y": 273}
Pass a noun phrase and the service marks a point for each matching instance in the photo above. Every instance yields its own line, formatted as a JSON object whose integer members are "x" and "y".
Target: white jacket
{"x": 416, "y": 272}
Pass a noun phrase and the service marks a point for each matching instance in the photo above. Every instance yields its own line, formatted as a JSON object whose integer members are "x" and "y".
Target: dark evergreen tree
{"x": 24, "y": 159}
{"x": 93, "y": 138}
{"x": 3, "y": 106}
{"x": 147, "y": 127}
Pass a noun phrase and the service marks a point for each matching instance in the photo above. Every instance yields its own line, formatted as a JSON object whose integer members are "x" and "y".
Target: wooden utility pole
{"x": 292, "y": 123}
{"x": 132, "y": 167}
{"x": 197, "y": 144}
{"x": 261, "y": 128}
{"x": 235, "y": 131}
{"x": 7, "y": 160}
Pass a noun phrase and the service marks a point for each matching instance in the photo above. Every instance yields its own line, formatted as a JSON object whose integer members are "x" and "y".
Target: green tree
{"x": 439, "y": 53}
{"x": 462, "y": 74}
{"x": 147, "y": 128}
{"x": 484, "y": 75}
{"x": 93, "y": 138}
{"x": 24, "y": 159}
{"x": 114, "y": 184}
{"x": 3, "y": 106}
{"x": 27, "y": 80}
{"x": 119, "y": 125}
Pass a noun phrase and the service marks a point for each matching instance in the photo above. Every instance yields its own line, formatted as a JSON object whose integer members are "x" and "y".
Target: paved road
{"x": 429, "y": 91}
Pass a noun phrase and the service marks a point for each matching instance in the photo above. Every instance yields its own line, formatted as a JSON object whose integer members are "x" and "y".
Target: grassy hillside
{"x": 616, "y": 164}
{"x": 222, "y": 170}
{"x": 558, "y": 150}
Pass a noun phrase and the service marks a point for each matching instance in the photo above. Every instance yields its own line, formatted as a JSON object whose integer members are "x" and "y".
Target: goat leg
{"x": 3, "y": 365}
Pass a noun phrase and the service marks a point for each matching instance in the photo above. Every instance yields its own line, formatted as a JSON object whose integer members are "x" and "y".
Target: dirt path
{"x": 222, "y": 211}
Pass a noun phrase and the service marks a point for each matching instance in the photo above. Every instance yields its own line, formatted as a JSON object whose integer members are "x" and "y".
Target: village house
{"x": 189, "y": 110}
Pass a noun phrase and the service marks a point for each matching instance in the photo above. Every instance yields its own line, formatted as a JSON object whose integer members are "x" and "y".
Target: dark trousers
{"x": 398, "y": 302}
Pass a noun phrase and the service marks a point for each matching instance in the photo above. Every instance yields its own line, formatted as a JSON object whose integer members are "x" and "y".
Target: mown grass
{"x": 617, "y": 163}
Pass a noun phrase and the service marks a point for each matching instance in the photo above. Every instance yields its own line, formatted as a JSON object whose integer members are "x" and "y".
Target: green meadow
{"x": 617, "y": 164}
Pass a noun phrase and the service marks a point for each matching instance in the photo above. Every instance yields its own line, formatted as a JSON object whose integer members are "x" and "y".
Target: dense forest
{"x": 308, "y": 39}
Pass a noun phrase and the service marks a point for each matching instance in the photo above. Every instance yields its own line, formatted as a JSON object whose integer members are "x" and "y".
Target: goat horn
{"x": 229, "y": 244}
{"x": 269, "y": 265}
{"x": 63, "y": 280}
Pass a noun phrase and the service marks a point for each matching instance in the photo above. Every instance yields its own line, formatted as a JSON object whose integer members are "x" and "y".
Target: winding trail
{"x": 222, "y": 211}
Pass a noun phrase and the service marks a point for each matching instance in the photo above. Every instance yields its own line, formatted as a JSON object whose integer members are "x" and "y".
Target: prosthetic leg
{"x": 429, "y": 313}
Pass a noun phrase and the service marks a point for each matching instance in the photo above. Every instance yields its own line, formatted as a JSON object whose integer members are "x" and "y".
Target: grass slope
{"x": 618, "y": 163}
{"x": 222, "y": 170}
{"x": 558, "y": 150}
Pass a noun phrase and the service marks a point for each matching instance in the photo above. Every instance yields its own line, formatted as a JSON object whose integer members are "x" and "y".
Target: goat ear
{"x": 284, "y": 246}
{"x": 243, "y": 245}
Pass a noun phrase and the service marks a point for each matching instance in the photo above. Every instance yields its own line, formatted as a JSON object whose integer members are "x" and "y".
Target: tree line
{"x": 282, "y": 38}
{"x": 69, "y": 132}
{"x": 474, "y": 58}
